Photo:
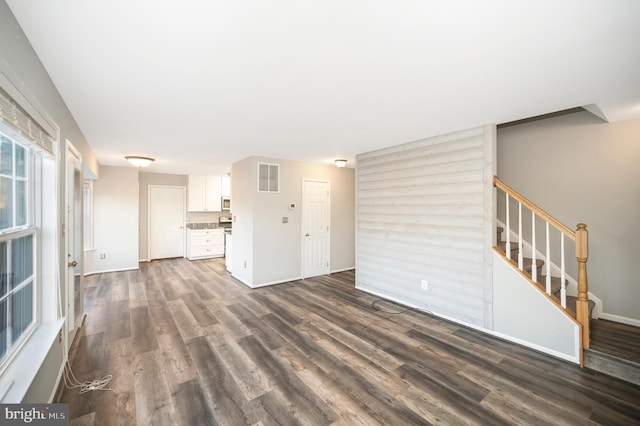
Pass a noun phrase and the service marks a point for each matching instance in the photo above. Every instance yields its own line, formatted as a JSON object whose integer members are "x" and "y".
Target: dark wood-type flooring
{"x": 189, "y": 345}
{"x": 616, "y": 339}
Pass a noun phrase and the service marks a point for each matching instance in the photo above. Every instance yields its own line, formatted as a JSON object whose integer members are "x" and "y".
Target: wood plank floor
{"x": 189, "y": 345}
{"x": 616, "y": 339}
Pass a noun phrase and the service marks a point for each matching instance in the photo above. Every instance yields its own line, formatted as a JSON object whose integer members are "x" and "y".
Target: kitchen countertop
{"x": 202, "y": 225}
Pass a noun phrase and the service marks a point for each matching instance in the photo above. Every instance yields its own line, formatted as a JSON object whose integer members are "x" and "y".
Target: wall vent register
{"x": 268, "y": 177}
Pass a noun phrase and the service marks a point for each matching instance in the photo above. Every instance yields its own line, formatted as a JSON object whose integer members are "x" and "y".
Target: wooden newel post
{"x": 582, "y": 305}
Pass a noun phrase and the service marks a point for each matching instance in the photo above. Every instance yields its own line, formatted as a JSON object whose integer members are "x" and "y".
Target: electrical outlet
{"x": 425, "y": 284}
{"x": 103, "y": 255}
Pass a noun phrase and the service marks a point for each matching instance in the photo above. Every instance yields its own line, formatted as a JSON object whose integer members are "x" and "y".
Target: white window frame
{"x": 14, "y": 232}
{"x": 19, "y": 368}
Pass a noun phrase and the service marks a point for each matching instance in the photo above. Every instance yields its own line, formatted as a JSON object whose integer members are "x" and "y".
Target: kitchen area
{"x": 209, "y": 220}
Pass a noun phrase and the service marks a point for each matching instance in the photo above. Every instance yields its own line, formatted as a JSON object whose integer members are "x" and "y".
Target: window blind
{"x": 12, "y": 115}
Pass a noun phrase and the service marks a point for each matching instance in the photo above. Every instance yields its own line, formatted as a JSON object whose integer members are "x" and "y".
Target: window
{"x": 17, "y": 246}
{"x": 268, "y": 177}
{"x": 13, "y": 184}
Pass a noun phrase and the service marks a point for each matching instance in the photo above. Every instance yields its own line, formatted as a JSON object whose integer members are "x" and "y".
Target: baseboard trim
{"x": 335, "y": 271}
{"x": 104, "y": 271}
{"x": 497, "y": 335}
{"x": 621, "y": 319}
{"x": 288, "y": 280}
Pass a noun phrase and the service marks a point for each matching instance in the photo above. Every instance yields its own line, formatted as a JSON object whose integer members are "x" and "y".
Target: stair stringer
{"x": 525, "y": 314}
{"x": 572, "y": 284}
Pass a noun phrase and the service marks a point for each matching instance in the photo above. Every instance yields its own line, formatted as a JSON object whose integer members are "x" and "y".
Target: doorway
{"x": 167, "y": 210}
{"x": 73, "y": 240}
{"x": 315, "y": 227}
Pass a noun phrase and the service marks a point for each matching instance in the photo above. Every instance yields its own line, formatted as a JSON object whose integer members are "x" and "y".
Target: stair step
{"x": 514, "y": 249}
{"x": 556, "y": 284}
{"x": 612, "y": 365}
{"x": 571, "y": 306}
{"x": 527, "y": 263}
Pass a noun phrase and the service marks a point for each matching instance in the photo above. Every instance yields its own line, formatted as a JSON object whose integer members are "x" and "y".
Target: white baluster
{"x": 548, "y": 260}
{"x": 520, "y": 259}
{"x": 534, "y": 269}
{"x": 563, "y": 287}
{"x": 507, "y": 246}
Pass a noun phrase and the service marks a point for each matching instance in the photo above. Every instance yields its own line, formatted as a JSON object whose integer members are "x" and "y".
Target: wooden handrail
{"x": 528, "y": 204}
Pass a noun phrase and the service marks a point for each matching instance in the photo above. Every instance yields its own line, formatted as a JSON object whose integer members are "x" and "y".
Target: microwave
{"x": 226, "y": 203}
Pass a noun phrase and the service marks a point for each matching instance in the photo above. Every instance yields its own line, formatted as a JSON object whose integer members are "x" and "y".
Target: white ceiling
{"x": 199, "y": 84}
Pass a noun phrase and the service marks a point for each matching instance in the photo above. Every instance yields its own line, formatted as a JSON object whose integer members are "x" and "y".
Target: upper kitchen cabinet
{"x": 204, "y": 194}
{"x": 226, "y": 186}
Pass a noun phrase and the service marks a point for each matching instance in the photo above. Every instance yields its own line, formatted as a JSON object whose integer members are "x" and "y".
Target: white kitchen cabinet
{"x": 204, "y": 193}
{"x": 226, "y": 186}
{"x": 205, "y": 243}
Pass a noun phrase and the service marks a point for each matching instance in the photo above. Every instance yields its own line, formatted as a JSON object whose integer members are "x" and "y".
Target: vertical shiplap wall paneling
{"x": 424, "y": 212}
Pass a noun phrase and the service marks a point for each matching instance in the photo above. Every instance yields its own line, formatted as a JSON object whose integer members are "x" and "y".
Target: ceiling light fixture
{"x": 341, "y": 163}
{"x": 138, "y": 161}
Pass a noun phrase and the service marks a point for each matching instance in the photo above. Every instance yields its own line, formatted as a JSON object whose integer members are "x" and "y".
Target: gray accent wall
{"x": 581, "y": 169}
{"x": 272, "y": 249}
{"x": 425, "y": 212}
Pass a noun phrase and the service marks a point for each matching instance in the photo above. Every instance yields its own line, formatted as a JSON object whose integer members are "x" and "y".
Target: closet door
{"x": 166, "y": 221}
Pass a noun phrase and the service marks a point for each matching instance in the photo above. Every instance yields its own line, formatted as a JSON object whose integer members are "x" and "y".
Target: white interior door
{"x": 315, "y": 228}
{"x": 73, "y": 240}
{"x": 166, "y": 221}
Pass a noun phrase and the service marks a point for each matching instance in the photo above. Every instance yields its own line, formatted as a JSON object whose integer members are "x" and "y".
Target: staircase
{"x": 612, "y": 348}
{"x": 556, "y": 282}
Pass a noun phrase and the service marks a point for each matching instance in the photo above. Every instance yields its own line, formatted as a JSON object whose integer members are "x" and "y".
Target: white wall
{"x": 272, "y": 249}
{"x": 581, "y": 169}
{"x": 425, "y": 212}
{"x": 523, "y": 313}
{"x": 115, "y": 220}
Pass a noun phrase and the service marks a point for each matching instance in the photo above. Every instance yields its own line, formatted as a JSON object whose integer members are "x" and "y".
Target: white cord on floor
{"x": 71, "y": 382}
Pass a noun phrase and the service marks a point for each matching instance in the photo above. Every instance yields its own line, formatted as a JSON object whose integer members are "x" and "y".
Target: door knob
{"x": 73, "y": 264}
{"x": 306, "y": 235}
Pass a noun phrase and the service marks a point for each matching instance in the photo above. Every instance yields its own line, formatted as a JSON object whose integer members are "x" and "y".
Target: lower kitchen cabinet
{"x": 205, "y": 243}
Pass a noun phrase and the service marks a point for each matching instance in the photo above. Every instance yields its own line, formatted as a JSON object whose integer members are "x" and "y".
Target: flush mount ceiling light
{"x": 341, "y": 163}
{"x": 138, "y": 161}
